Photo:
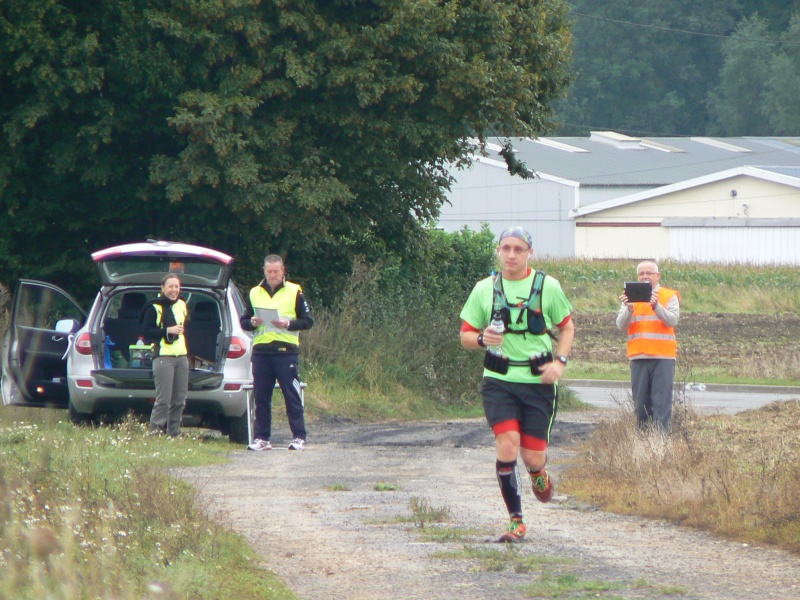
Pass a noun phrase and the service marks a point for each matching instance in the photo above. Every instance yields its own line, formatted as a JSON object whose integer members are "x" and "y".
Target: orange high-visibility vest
{"x": 647, "y": 334}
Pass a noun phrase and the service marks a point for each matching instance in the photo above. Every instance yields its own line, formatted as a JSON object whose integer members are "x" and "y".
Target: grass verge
{"x": 93, "y": 513}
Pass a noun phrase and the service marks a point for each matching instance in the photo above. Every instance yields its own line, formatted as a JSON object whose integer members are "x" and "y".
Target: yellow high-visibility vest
{"x": 285, "y": 301}
{"x": 178, "y": 347}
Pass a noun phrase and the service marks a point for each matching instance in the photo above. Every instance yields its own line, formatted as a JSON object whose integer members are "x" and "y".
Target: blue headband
{"x": 519, "y": 233}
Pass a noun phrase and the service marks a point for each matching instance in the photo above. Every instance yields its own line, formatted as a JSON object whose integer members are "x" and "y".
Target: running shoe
{"x": 258, "y": 445}
{"x": 297, "y": 444}
{"x": 542, "y": 486}
{"x": 515, "y": 532}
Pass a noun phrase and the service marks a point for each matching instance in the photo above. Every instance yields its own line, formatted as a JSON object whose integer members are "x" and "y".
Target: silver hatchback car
{"x": 57, "y": 355}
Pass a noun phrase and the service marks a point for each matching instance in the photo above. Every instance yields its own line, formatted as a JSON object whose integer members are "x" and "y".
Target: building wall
{"x": 487, "y": 193}
{"x": 738, "y": 220}
{"x": 629, "y": 241}
{"x": 736, "y": 245}
{"x": 741, "y": 197}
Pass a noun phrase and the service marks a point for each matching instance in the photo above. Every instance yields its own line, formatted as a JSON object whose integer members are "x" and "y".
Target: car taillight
{"x": 84, "y": 344}
{"x": 237, "y": 348}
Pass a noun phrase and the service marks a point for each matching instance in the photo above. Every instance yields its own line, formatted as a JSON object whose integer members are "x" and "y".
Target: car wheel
{"x": 79, "y": 418}
{"x": 237, "y": 430}
{"x": 224, "y": 425}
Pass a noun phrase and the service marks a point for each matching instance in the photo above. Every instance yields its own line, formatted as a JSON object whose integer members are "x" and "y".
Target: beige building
{"x": 743, "y": 215}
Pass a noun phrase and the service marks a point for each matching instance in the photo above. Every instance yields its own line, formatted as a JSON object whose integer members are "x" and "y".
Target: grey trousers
{"x": 171, "y": 374}
{"x": 652, "y": 381}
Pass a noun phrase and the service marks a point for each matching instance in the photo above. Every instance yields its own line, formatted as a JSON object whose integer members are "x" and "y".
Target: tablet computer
{"x": 638, "y": 291}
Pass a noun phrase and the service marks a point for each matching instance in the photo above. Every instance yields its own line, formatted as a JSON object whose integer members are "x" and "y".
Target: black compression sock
{"x": 508, "y": 478}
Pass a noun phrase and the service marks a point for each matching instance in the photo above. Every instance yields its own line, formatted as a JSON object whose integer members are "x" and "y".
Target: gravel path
{"x": 355, "y": 544}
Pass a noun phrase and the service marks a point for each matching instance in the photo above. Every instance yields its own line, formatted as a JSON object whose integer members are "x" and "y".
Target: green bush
{"x": 397, "y": 322}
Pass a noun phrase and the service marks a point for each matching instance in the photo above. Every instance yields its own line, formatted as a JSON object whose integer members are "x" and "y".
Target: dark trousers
{"x": 268, "y": 368}
{"x": 652, "y": 381}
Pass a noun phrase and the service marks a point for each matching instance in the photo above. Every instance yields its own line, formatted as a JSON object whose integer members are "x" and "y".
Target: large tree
{"x": 318, "y": 129}
{"x": 678, "y": 67}
{"x": 643, "y": 66}
{"x": 759, "y": 81}
{"x": 736, "y": 104}
{"x": 783, "y": 87}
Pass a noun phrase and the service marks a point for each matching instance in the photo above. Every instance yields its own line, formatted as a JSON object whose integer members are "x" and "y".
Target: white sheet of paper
{"x": 267, "y": 315}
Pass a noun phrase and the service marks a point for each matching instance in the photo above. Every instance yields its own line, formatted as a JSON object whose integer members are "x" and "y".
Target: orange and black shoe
{"x": 515, "y": 532}
{"x": 542, "y": 485}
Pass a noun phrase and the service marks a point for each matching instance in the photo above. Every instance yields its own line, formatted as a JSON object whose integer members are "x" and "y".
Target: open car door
{"x": 44, "y": 320}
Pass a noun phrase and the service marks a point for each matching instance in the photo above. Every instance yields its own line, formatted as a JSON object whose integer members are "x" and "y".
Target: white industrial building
{"x": 615, "y": 196}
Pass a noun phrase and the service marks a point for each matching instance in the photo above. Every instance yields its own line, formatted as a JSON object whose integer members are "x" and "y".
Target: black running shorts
{"x": 532, "y": 404}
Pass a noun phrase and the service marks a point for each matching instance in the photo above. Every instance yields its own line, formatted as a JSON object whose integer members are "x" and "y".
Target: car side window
{"x": 42, "y": 307}
{"x": 238, "y": 300}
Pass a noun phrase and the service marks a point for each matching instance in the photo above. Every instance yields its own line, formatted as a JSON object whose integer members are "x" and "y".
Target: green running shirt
{"x": 555, "y": 307}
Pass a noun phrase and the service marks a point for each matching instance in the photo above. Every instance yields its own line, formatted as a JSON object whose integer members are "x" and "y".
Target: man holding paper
{"x": 277, "y": 311}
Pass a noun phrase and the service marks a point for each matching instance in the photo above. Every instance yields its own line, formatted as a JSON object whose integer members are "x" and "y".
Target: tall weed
{"x": 734, "y": 475}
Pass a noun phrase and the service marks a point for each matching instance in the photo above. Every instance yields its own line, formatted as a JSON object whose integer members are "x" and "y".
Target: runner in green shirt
{"x": 520, "y": 385}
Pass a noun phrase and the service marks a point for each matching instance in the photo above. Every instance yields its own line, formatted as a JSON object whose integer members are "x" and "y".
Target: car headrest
{"x": 131, "y": 306}
{"x": 205, "y": 311}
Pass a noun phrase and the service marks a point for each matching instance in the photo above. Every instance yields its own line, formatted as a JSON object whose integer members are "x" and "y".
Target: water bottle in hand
{"x": 499, "y": 327}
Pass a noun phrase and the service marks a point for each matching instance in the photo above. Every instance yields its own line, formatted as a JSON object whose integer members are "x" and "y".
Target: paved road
{"x": 711, "y": 398}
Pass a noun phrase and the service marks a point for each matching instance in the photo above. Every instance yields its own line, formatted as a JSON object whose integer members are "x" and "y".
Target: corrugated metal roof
{"x": 653, "y": 161}
{"x": 789, "y": 171}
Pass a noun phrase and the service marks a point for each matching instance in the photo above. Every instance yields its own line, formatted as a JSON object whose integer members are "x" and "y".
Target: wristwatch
{"x": 562, "y": 359}
{"x": 480, "y": 341}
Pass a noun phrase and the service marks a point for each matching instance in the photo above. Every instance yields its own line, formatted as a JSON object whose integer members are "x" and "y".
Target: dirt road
{"x": 356, "y": 543}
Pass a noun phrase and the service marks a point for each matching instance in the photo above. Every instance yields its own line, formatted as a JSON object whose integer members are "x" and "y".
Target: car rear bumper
{"x": 102, "y": 393}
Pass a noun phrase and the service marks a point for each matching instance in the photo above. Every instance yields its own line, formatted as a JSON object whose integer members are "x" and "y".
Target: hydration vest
{"x": 530, "y": 308}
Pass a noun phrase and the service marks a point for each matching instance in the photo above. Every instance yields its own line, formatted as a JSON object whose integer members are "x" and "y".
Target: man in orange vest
{"x": 652, "y": 348}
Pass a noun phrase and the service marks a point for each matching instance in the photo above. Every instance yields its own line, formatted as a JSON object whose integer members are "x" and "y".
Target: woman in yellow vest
{"x": 652, "y": 348}
{"x": 276, "y": 349}
{"x": 164, "y": 320}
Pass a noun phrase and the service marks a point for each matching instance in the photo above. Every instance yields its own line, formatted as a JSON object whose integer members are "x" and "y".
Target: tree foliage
{"x": 781, "y": 100}
{"x": 737, "y": 103}
{"x": 674, "y": 67}
{"x": 759, "y": 82}
{"x": 636, "y": 73}
{"x": 316, "y": 129}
